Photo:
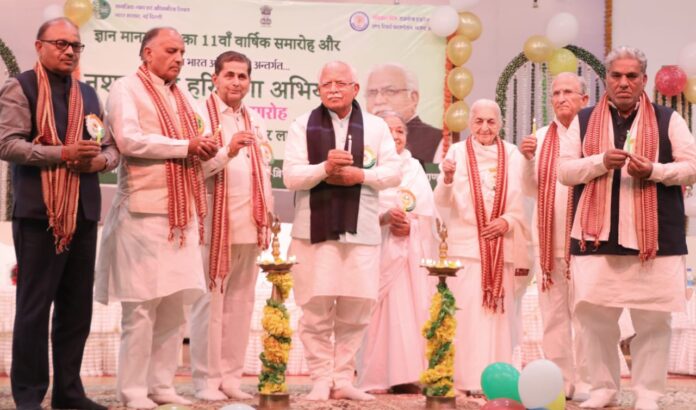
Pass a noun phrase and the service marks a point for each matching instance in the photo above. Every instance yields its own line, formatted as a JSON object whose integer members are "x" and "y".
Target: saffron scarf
{"x": 546, "y": 197}
{"x": 60, "y": 186}
{"x": 219, "y": 242}
{"x": 491, "y": 250}
{"x": 184, "y": 175}
{"x": 593, "y": 199}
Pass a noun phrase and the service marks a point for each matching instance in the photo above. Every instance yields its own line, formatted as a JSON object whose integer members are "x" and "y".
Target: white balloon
{"x": 237, "y": 406}
{"x": 562, "y": 29}
{"x": 52, "y": 11}
{"x": 463, "y": 5}
{"x": 444, "y": 21}
{"x": 539, "y": 384}
{"x": 687, "y": 59}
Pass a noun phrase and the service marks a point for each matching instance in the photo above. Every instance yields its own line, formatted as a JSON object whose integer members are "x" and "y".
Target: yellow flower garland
{"x": 439, "y": 331}
{"x": 276, "y": 338}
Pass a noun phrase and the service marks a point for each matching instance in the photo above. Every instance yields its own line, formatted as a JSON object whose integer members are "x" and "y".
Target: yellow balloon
{"x": 690, "y": 89}
{"x": 78, "y": 11}
{"x": 559, "y": 403}
{"x": 458, "y": 50}
{"x": 469, "y": 25}
{"x": 561, "y": 61}
{"x": 538, "y": 48}
{"x": 460, "y": 82}
{"x": 457, "y": 116}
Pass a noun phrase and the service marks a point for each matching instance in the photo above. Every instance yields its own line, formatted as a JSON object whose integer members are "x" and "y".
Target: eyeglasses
{"x": 385, "y": 92}
{"x": 565, "y": 93}
{"x": 340, "y": 85}
{"x": 62, "y": 45}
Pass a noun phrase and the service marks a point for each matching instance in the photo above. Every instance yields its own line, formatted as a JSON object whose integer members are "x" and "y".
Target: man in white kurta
{"x": 152, "y": 276}
{"x": 221, "y": 319}
{"x": 615, "y": 264}
{"x": 483, "y": 335}
{"x": 568, "y": 96}
{"x": 393, "y": 353}
{"x": 336, "y": 283}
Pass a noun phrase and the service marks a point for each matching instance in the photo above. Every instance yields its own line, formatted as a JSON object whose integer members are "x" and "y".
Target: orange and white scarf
{"x": 547, "y": 175}
{"x": 60, "y": 186}
{"x": 219, "y": 242}
{"x": 491, "y": 250}
{"x": 593, "y": 199}
{"x": 184, "y": 175}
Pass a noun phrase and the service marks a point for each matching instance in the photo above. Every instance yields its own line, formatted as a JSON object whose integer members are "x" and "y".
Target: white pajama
{"x": 346, "y": 319}
{"x": 151, "y": 336}
{"x": 220, "y": 324}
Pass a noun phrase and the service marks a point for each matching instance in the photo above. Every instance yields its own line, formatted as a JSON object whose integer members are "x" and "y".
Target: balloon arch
{"x": 523, "y": 91}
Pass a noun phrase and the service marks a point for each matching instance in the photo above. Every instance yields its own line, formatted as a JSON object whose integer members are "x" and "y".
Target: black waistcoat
{"x": 26, "y": 179}
{"x": 671, "y": 219}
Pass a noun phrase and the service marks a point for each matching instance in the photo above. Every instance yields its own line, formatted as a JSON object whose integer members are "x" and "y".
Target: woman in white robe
{"x": 393, "y": 353}
{"x": 486, "y": 320}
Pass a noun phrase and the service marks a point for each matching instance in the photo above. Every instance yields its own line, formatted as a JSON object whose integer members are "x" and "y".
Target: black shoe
{"x": 81, "y": 404}
{"x": 29, "y": 407}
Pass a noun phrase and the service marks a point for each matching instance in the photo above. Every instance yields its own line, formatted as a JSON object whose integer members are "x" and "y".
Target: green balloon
{"x": 499, "y": 380}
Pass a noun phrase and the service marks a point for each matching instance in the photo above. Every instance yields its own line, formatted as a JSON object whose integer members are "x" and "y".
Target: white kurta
{"x": 393, "y": 352}
{"x": 226, "y": 316}
{"x": 555, "y": 303}
{"x": 656, "y": 284}
{"x": 137, "y": 262}
{"x": 345, "y": 267}
{"x": 482, "y": 337}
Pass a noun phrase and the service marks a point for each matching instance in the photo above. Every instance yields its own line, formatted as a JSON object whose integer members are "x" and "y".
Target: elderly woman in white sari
{"x": 480, "y": 192}
{"x": 393, "y": 353}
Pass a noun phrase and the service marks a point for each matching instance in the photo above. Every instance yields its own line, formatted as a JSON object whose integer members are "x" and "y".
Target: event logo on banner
{"x": 287, "y": 42}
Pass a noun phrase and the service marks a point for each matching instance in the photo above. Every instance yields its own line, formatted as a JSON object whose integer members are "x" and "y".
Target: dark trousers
{"x": 66, "y": 280}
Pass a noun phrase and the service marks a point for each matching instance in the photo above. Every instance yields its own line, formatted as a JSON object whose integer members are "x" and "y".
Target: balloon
{"x": 499, "y": 380}
{"x": 458, "y": 49}
{"x": 538, "y": 48}
{"x": 237, "y": 406}
{"x": 561, "y": 61}
{"x": 463, "y": 5}
{"x": 502, "y": 404}
{"x": 172, "y": 406}
{"x": 670, "y": 80}
{"x": 562, "y": 29}
{"x": 690, "y": 90}
{"x": 469, "y": 25}
{"x": 540, "y": 382}
{"x": 52, "y": 11}
{"x": 687, "y": 59}
{"x": 457, "y": 116}
{"x": 444, "y": 21}
{"x": 559, "y": 403}
{"x": 78, "y": 11}
{"x": 460, "y": 82}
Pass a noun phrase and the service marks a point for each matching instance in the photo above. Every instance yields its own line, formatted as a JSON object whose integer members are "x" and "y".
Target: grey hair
{"x": 626, "y": 52}
{"x": 393, "y": 114}
{"x": 151, "y": 35}
{"x": 353, "y": 72}
{"x": 485, "y": 103}
{"x": 581, "y": 81}
{"x": 411, "y": 79}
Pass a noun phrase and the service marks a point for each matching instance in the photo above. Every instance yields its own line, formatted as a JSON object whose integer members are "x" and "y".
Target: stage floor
{"x": 681, "y": 396}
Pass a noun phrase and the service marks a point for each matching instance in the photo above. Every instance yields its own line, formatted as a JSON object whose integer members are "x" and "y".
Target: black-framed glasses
{"x": 62, "y": 45}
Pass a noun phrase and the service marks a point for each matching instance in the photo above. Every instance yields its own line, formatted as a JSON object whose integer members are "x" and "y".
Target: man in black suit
{"x": 392, "y": 87}
{"x": 44, "y": 120}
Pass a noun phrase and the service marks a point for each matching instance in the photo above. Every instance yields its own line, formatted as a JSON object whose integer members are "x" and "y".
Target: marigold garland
{"x": 276, "y": 338}
{"x": 439, "y": 331}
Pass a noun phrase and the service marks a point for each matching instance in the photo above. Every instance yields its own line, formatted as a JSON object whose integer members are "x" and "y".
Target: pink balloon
{"x": 502, "y": 404}
{"x": 670, "y": 80}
